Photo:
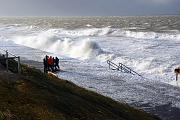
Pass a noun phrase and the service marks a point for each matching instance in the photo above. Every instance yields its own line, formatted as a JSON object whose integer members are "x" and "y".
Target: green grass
{"x": 35, "y": 95}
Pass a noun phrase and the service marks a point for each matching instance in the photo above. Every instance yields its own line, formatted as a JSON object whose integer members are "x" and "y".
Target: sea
{"x": 148, "y": 45}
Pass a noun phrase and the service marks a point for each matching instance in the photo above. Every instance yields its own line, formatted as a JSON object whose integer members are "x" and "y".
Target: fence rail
{"x": 6, "y": 57}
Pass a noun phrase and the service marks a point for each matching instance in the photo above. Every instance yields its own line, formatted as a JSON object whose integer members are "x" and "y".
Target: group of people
{"x": 51, "y": 64}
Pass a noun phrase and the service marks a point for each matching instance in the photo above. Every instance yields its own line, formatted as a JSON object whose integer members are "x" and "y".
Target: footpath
{"x": 4, "y": 75}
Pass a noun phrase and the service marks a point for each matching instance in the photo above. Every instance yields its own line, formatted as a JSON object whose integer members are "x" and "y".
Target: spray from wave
{"x": 56, "y": 41}
{"x": 113, "y": 32}
{"x": 84, "y": 32}
{"x": 51, "y": 41}
{"x": 78, "y": 44}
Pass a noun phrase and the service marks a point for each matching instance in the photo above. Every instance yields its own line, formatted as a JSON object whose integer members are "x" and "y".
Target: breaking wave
{"x": 76, "y": 44}
{"x": 84, "y": 32}
{"x": 108, "y": 31}
{"x": 50, "y": 41}
{"x": 147, "y": 35}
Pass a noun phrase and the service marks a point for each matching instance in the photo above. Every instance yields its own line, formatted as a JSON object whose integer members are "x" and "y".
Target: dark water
{"x": 149, "y": 23}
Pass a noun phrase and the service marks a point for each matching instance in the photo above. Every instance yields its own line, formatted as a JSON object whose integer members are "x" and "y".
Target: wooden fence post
{"x": 19, "y": 65}
{"x": 6, "y": 58}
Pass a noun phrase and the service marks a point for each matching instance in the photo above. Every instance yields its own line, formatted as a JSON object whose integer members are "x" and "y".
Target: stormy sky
{"x": 88, "y": 7}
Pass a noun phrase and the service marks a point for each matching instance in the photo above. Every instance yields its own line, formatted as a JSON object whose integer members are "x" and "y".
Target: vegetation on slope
{"x": 34, "y": 95}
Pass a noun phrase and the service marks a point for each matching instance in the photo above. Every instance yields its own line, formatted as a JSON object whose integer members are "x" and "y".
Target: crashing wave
{"x": 146, "y": 35}
{"x": 51, "y": 41}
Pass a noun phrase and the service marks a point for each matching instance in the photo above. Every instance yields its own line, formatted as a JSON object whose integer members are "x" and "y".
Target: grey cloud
{"x": 88, "y": 7}
{"x": 157, "y": 1}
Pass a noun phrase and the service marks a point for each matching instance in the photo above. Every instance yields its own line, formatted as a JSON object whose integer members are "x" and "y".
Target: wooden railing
{"x": 6, "y": 57}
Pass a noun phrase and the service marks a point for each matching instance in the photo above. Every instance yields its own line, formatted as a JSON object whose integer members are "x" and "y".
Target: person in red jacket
{"x": 51, "y": 63}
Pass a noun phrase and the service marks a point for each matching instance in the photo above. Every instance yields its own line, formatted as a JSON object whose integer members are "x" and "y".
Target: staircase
{"x": 121, "y": 67}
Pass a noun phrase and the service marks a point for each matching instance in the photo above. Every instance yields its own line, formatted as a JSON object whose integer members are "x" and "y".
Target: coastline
{"x": 165, "y": 111}
{"x": 38, "y": 96}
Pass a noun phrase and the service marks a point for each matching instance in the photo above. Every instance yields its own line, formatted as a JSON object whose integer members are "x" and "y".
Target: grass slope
{"x": 34, "y": 95}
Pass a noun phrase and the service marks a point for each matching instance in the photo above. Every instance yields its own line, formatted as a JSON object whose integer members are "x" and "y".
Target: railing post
{"x": 19, "y": 65}
{"x": 176, "y": 77}
{"x": 6, "y": 57}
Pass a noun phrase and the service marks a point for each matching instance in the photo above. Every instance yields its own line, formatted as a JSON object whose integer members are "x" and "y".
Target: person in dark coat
{"x": 54, "y": 64}
{"x": 57, "y": 63}
{"x": 45, "y": 62}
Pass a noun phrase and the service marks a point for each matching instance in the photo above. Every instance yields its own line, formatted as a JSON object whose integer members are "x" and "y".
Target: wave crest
{"x": 50, "y": 41}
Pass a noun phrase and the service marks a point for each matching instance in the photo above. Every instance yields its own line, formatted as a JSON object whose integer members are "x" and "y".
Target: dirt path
{"x": 32, "y": 63}
{"x": 4, "y": 75}
{"x": 2, "y": 68}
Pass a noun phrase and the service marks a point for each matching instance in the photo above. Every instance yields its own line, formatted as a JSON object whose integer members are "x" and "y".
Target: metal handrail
{"x": 121, "y": 67}
{"x": 111, "y": 64}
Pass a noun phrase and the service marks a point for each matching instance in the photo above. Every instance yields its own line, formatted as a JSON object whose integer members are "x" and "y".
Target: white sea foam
{"x": 86, "y": 32}
{"x": 107, "y": 31}
{"x": 88, "y": 25}
{"x": 52, "y": 42}
{"x": 153, "y": 55}
{"x": 142, "y": 65}
{"x": 141, "y": 51}
{"x": 146, "y": 35}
